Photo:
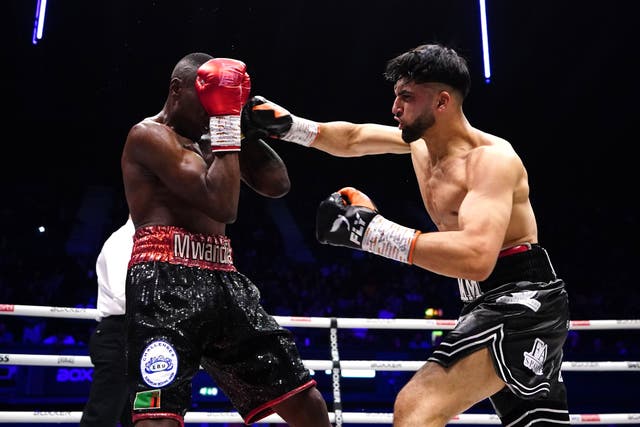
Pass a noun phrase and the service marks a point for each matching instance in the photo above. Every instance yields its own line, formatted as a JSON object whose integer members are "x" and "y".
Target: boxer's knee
{"x": 419, "y": 405}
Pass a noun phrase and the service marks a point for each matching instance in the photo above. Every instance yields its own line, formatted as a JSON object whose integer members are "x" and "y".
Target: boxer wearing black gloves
{"x": 507, "y": 344}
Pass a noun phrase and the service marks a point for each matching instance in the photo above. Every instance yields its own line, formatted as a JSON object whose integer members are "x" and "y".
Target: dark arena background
{"x": 563, "y": 89}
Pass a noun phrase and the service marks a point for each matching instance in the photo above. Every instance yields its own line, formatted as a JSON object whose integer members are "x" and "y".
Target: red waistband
{"x": 176, "y": 245}
{"x": 515, "y": 250}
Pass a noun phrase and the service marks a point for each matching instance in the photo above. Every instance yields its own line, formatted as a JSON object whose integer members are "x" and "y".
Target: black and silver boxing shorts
{"x": 521, "y": 314}
{"x": 188, "y": 307}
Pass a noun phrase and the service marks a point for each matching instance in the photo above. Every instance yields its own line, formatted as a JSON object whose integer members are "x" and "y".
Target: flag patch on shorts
{"x": 147, "y": 400}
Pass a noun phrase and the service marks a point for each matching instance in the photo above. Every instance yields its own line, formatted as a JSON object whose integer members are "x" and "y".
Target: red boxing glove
{"x": 223, "y": 86}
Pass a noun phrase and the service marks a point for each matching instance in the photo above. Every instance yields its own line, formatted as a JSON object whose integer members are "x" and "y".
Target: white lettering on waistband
{"x": 469, "y": 290}
{"x": 184, "y": 247}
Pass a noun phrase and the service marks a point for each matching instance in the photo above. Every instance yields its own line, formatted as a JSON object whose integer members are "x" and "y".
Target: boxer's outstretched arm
{"x": 339, "y": 138}
{"x": 345, "y": 139}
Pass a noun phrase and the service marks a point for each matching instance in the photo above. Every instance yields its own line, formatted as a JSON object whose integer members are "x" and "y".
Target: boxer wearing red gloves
{"x": 186, "y": 304}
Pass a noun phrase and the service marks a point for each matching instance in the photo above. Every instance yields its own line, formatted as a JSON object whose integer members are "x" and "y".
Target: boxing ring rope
{"x": 335, "y": 365}
{"x": 65, "y": 360}
{"x": 313, "y": 322}
{"x": 349, "y": 417}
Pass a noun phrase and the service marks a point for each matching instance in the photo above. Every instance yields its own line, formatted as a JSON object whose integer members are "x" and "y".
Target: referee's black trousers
{"x": 108, "y": 402}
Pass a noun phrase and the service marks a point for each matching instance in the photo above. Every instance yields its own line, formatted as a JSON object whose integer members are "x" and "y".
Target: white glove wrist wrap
{"x": 388, "y": 239}
{"x": 225, "y": 133}
{"x": 302, "y": 131}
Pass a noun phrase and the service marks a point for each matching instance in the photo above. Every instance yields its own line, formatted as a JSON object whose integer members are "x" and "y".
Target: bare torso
{"x": 444, "y": 185}
{"x": 151, "y": 201}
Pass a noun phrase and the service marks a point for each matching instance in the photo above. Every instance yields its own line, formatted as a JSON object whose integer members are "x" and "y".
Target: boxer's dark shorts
{"x": 187, "y": 307}
{"x": 521, "y": 314}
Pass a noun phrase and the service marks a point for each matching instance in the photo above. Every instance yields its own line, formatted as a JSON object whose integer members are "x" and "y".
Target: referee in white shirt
{"x": 108, "y": 401}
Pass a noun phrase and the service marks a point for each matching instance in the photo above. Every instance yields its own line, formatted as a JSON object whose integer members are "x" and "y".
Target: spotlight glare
{"x": 485, "y": 41}
{"x": 38, "y": 26}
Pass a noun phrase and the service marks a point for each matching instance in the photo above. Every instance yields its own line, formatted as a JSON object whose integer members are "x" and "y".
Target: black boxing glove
{"x": 262, "y": 118}
{"x": 349, "y": 218}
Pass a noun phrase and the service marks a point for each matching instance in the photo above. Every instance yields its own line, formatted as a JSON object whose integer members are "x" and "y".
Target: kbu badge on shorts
{"x": 158, "y": 364}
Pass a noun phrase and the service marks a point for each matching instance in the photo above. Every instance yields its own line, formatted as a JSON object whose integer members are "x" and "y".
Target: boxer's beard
{"x": 411, "y": 132}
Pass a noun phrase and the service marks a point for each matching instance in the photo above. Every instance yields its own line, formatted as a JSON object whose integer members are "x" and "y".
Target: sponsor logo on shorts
{"x": 147, "y": 400}
{"x": 469, "y": 290}
{"x": 534, "y": 359}
{"x": 186, "y": 247}
{"x": 526, "y": 298}
{"x": 158, "y": 364}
